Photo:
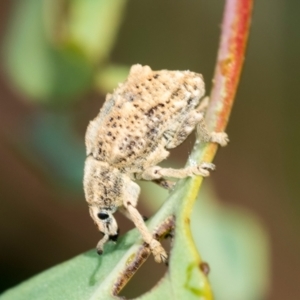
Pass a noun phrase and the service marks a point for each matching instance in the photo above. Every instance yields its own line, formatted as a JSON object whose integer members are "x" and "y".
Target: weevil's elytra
{"x": 148, "y": 114}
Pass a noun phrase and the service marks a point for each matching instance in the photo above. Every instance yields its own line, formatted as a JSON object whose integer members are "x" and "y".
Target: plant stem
{"x": 234, "y": 35}
{"x": 231, "y": 54}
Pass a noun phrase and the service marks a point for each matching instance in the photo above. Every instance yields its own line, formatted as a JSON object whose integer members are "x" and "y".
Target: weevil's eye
{"x": 102, "y": 216}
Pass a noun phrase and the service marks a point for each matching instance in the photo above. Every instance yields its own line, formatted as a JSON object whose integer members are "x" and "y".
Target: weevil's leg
{"x": 205, "y": 136}
{"x": 127, "y": 215}
{"x": 156, "y": 248}
{"x": 166, "y": 184}
{"x": 203, "y": 104}
{"x": 181, "y": 129}
{"x": 124, "y": 212}
{"x": 179, "y": 132}
{"x": 156, "y": 172}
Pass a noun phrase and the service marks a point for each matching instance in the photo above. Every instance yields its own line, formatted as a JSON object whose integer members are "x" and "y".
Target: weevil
{"x": 146, "y": 116}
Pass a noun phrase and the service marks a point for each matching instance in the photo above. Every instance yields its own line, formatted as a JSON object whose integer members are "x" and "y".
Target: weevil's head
{"x": 106, "y": 188}
{"x": 107, "y": 224}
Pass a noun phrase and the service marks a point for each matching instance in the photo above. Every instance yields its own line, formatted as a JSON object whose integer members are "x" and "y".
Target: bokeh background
{"x": 59, "y": 58}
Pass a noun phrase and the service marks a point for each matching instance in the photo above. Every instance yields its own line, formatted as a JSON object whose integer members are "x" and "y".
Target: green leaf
{"x": 231, "y": 240}
{"x": 49, "y": 142}
{"x": 51, "y": 55}
{"x": 89, "y": 276}
{"x": 185, "y": 279}
{"x": 109, "y": 76}
{"x": 92, "y": 26}
{"x": 78, "y": 278}
{"x": 236, "y": 246}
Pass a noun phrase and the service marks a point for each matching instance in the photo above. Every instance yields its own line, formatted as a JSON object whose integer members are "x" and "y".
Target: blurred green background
{"x": 59, "y": 58}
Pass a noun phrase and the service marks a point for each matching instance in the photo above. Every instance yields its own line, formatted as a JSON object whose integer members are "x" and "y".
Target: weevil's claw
{"x": 220, "y": 138}
{"x": 158, "y": 251}
{"x": 166, "y": 262}
{"x": 204, "y": 168}
{"x": 208, "y": 166}
{"x": 161, "y": 258}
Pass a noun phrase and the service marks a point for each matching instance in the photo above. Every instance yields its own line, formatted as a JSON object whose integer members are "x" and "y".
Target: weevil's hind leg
{"x": 181, "y": 129}
{"x": 194, "y": 119}
{"x": 156, "y": 248}
{"x": 156, "y": 172}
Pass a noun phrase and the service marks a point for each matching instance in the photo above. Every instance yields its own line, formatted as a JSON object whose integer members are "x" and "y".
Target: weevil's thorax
{"x": 103, "y": 184}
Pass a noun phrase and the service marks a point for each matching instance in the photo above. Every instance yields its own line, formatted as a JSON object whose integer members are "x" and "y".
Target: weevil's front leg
{"x": 156, "y": 248}
{"x": 157, "y": 172}
{"x": 130, "y": 193}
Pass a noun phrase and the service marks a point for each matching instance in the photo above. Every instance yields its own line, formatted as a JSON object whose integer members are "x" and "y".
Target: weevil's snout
{"x": 107, "y": 225}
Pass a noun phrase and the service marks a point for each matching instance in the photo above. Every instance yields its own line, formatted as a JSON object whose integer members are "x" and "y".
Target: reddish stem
{"x": 231, "y": 54}
{"x": 234, "y": 36}
{"x": 230, "y": 59}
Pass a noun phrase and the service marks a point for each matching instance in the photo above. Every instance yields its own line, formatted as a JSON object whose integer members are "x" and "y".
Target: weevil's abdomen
{"x": 140, "y": 114}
